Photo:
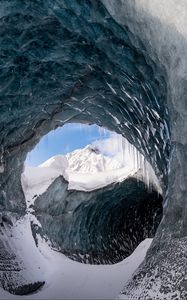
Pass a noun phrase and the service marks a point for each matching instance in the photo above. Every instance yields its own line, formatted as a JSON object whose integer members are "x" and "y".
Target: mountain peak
{"x": 91, "y": 160}
{"x": 91, "y": 148}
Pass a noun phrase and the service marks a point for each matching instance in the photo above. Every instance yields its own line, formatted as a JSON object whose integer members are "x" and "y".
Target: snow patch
{"x": 67, "y": 279}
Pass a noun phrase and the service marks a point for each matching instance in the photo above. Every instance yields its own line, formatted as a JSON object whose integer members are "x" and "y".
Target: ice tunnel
{"x": 120, "y": 65}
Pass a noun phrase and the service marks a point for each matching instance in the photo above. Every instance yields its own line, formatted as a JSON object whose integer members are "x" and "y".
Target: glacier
{"x": 118, "y": 64}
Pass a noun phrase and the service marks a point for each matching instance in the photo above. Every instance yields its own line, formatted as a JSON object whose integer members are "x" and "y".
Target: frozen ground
{"x": 67, "y": 279}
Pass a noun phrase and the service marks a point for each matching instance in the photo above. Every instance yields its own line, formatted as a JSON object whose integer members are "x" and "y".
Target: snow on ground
{"x": 85, "y": 169}
{"x": 42, "y": 176}
{"x": 89, "y": 182}
{"x": 67, "y": 279}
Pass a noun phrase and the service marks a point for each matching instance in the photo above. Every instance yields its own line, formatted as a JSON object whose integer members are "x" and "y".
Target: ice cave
{"x": 121, "y": 65}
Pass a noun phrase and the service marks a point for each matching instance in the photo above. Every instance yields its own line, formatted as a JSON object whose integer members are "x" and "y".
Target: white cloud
{"x": 118, "y": 147}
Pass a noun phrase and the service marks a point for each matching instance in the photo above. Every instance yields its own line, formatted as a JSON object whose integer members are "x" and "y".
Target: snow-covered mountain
{"x": 85, "y": 169}
{"x": 90, "y": 160}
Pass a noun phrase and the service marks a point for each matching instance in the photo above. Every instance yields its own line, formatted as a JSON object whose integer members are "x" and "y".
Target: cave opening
{"x": 95, "y": 196}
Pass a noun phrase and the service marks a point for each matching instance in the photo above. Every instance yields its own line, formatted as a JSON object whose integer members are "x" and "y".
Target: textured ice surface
{"x": 126, "y": 69}
{"x": 162, "y": 25}
{"x": 67, "y": 279}
{"x": 101, "y": 226}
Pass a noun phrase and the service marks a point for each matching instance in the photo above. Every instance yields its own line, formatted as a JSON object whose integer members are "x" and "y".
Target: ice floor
{"x": 67, "y": 279}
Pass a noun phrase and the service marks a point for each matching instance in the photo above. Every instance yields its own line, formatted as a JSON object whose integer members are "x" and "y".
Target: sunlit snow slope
{"x": 85, "y": 169}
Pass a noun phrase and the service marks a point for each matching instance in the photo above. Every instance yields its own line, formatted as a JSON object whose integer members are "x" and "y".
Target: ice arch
{"x": 65, "y": 61}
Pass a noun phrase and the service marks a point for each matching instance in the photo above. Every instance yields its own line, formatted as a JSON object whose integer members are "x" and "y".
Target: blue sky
{"x": 65, "y": 139}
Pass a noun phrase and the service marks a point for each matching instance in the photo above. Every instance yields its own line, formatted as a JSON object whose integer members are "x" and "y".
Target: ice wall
{"x": 162, "y": 26}
{"x": 103, "y": 226}
{"x": 73, "y": 61}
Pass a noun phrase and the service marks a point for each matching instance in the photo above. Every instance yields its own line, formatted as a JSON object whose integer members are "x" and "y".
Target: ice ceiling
{"x": 73, "y": 61}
